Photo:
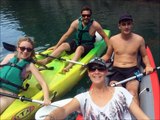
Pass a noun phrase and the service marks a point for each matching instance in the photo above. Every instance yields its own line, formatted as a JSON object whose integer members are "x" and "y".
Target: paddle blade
{"x": 9, "y": 47}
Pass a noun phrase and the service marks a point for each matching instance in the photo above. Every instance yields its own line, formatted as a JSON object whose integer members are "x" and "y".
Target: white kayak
{"x": 42, "y": 112}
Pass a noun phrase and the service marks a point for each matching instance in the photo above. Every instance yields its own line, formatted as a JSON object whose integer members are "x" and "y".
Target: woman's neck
{"x": 97, "y": 89}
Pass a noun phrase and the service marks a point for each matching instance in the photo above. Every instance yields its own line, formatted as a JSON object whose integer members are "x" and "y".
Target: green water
{"x": 47, "y": 20}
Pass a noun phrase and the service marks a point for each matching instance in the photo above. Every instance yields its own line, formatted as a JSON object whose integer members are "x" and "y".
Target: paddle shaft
{"x": 22, "y": 98}
{"x": 11, "y": 47}
{"x": 134, "y": 77}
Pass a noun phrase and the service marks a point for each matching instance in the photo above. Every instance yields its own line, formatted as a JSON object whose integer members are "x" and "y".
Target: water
{"x": 47, "y": 20}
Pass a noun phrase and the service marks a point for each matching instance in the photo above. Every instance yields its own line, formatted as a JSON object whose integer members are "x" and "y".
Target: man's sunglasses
{"x": 84, "y": 15}
{"x": 27, "y": 49}
{"x": 93, "y": 68}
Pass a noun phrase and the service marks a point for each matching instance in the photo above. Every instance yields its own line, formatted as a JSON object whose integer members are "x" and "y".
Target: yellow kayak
{"x": 59, "y": 83}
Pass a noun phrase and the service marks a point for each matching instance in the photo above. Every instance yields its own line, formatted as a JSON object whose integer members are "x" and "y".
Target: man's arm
{"x": 145, "y": 58}
{"x": 71, "y": 29}
{"x": 99, "y": 29}
{"x": 109, "y": 52}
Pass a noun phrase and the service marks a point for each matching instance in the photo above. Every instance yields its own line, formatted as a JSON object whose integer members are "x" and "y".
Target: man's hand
{"x": 148, "y": 70}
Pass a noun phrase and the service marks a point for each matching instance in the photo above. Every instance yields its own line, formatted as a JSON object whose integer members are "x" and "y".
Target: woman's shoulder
{"x": 7, "y": 58}
{"x": 82, "y": 95}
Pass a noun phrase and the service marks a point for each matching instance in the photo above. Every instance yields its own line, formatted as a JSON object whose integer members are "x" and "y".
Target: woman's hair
{"x": 31, "y": 41}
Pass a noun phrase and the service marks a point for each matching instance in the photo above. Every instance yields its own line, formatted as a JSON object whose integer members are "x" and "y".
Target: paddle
{"x": 133, "y": 77}
{"x": 22, "y": 98}
{"x": 9, "y": 47}
{"x": 13, "y": 48}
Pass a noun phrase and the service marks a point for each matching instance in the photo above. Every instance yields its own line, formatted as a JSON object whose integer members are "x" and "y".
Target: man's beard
{"x": 86, "y": 21}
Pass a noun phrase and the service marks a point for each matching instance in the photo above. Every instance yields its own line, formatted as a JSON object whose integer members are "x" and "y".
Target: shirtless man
{"x": 85, "y": 28}
{"x": 126, "y": 46}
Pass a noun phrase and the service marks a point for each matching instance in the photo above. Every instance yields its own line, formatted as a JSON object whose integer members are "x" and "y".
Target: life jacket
{"x": 11, "y": 78}
{"x": 82, "y": 35}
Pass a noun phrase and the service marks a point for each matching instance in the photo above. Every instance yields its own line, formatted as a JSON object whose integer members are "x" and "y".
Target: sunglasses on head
{"x": 25, "y": 48}
{"x": 84, "y": 15}
{"x": 93, "y": 68}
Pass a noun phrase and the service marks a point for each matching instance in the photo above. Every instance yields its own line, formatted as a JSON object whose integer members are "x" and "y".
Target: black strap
{"x": 80, "y": 36}
{"x": 13, "y": 65}
{"x": 4, "y": 65}
{"x": 14, "y": 85}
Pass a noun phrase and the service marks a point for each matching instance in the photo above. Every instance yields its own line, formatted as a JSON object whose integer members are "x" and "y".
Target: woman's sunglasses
{"x": 93, "y": 68}
{"x": 25, "y": 48}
